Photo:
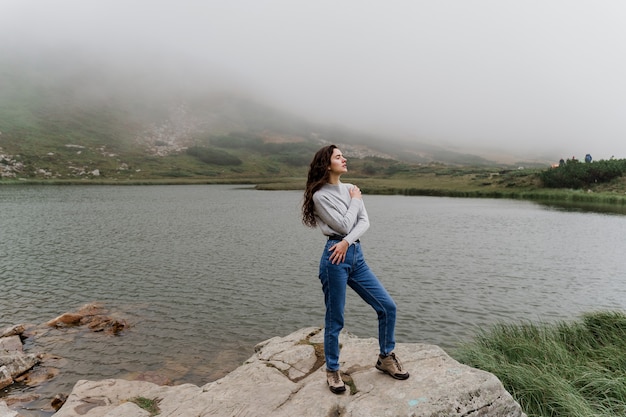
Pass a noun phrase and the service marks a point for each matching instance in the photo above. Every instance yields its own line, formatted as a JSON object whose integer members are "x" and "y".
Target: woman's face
{"x": 338, "y": 163}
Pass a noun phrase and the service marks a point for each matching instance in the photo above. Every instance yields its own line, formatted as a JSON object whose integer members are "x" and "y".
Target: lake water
{"x": 204, "y": 272}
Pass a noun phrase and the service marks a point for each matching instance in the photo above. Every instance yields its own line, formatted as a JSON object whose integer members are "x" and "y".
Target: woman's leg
{"x": 334, "y": 279}
{"x": 363, "y": 281}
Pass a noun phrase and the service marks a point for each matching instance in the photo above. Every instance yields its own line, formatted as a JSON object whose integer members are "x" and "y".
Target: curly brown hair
{"x": 317, "y": 177}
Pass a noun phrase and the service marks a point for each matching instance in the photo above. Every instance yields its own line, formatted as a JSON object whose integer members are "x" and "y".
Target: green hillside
{"x": 72, "y": 120}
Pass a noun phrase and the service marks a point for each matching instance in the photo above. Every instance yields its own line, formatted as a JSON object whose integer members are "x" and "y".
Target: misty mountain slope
{"x": 64, "y": 130}
{"x": 79, "y": 119}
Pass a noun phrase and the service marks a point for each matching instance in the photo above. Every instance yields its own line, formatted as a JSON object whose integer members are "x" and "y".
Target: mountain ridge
{"x": 68, "y": 124}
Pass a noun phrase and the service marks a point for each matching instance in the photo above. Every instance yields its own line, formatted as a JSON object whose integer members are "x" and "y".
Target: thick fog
{"x": 533, "y": 77}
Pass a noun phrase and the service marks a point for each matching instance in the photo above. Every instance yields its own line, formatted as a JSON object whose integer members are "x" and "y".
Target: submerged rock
{"x": 286, "y": 377}
{"x": 92, "y": 315}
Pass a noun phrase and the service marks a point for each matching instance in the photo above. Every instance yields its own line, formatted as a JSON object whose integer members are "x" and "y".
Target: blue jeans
{"x": 355, "y": 273}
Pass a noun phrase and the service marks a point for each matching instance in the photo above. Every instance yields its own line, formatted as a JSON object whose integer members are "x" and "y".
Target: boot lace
{"x": 334, "y": 377}
{"x": 396, "y": 362}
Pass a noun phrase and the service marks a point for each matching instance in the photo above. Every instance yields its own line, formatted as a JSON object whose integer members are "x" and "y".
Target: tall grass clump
{"x": 568, "y": 369}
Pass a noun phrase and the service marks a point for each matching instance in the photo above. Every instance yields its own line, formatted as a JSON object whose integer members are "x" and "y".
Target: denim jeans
{"x": 355, "y": 273}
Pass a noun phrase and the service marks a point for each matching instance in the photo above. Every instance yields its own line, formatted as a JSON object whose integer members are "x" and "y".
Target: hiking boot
{"x": 391, "y": 365}
{"x": 335, "y": 383}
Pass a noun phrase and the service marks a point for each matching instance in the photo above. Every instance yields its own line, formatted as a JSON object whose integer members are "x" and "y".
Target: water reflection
{"x": 583, "y": 207}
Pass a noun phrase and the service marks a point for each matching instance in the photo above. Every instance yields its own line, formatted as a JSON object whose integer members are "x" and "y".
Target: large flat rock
{"x": 286, "y": 377}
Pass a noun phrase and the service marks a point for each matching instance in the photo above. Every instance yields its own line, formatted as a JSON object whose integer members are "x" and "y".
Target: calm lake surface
{"x": 204, "y": 272}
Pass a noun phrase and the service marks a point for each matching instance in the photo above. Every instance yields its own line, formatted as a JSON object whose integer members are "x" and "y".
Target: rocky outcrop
{"x": 285, "y": 377}
{"x": 32, "y": 369}
{"x": 13, "y": 361}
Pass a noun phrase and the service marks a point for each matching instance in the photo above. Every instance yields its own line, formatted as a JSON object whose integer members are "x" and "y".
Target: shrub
{"x": 150, "y": 405}
{"x": 574, "y": 174}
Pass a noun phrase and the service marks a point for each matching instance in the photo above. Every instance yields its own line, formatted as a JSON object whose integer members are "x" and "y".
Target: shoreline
{"x": 600, "y": 201}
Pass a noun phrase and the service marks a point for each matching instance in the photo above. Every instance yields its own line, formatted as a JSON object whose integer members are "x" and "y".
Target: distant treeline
{"x": 575, "y": 174}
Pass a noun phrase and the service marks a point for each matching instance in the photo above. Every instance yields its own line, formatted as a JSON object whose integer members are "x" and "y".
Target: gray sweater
{"x": 339, "y": 214}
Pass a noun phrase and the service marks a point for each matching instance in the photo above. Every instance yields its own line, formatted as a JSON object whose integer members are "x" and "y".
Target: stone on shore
{"x": 5, "y": 411}
{"x": 16, "y": 364}
{"x": 13, "y": 361}
{"x": 12, "y": 331}
{"x": 286, "y": 377}
{"x": 11, "y": 344}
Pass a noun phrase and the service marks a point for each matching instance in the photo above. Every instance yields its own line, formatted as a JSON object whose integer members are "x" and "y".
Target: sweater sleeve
{"x": 339, "y": 214}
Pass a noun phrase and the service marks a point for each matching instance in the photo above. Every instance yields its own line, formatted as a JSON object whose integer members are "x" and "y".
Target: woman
{"x": 338, "y": 210}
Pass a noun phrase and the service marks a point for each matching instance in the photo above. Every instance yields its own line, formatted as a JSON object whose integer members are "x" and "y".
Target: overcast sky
{"x": 544, "y": 76}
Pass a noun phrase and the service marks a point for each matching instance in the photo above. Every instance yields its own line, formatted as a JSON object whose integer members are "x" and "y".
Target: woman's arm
{"x": 345, "y": 214}
{"x": 336, "y": 215}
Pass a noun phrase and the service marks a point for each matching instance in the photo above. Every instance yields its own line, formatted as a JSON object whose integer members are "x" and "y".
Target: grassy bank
{"x": 568, "y": 369}
{"x": 521, "y": 185}
{"x": 440, "y": 181}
